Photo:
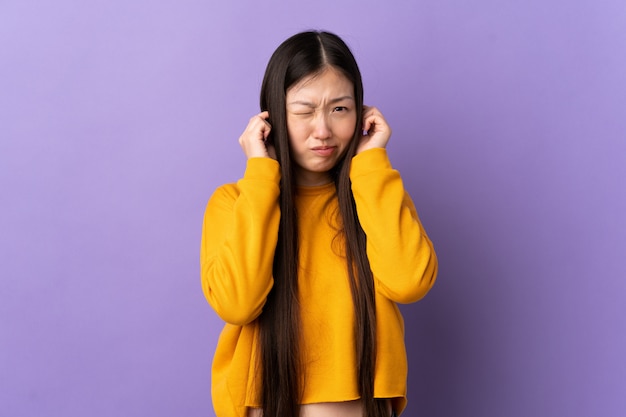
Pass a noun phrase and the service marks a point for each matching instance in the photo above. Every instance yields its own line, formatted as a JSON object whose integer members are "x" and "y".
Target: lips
{"x": 324, "y": 150}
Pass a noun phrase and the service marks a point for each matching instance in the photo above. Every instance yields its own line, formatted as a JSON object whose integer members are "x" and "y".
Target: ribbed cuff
{"x": 368, "y": 161}
{"x": 265, "y": 169}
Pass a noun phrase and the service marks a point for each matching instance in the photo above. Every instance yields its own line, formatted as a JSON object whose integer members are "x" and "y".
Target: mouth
{"x": 324, "y": 150}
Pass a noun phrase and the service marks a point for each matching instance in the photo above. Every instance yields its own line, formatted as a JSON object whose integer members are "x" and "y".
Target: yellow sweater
{"x": 238, "y": 241}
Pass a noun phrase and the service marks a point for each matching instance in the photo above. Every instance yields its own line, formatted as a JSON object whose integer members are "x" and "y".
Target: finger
{"x": 266, "y": 131}
{"x": 366, "y": 127}
{"x": 258, "y": 124}
{"x": 368, "y": 122}
{"x": 267, "y": 127}
{"x": 264, "y": 116}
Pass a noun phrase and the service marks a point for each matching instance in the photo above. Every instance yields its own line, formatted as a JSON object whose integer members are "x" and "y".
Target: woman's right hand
{"x": 253, "y": 140}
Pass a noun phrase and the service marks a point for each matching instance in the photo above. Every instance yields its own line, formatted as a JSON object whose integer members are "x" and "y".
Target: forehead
{"x": 328, "y": 82}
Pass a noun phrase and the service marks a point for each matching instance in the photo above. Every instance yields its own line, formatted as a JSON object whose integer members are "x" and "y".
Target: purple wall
{"x": 119, "y": 118}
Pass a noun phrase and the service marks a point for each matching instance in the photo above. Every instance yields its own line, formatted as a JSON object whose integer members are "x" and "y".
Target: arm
{"x": 401, "y": 255}
{"x": 239, "y": 236}
{"x": 240, "y": 232}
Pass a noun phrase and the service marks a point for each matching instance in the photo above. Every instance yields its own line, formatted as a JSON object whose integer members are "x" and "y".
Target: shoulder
{"x": 224, "y": 195}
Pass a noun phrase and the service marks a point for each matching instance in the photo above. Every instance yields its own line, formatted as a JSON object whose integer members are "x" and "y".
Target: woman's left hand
{"x": 376, "y": 131}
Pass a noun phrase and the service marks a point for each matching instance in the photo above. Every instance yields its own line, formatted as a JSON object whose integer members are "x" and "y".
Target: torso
{"x": 338, "y": 409}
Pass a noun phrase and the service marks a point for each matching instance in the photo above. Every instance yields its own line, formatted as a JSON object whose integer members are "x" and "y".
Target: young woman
{"x": 306, "y": 256}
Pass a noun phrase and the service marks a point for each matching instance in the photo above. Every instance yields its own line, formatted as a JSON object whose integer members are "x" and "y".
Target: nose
{"x": 321, "y": 128}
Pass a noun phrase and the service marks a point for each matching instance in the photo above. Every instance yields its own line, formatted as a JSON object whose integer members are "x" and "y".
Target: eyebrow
{"x": 333, "y": 101}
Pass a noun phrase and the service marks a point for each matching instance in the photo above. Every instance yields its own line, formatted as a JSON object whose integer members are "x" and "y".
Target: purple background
{"x": 119, "y": 118}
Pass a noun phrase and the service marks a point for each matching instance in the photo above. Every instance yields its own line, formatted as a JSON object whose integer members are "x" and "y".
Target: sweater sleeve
{"x": 401, "y": 255}
{"x": 239, "y": 236}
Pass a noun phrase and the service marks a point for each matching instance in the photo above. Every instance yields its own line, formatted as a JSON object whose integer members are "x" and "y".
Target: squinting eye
{"x": 340, "y": 108}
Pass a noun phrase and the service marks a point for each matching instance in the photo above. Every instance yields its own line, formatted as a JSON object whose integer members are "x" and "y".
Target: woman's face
{"x": 321, "y": 119}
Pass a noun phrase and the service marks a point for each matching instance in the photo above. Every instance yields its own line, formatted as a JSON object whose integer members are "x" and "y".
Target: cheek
{"x": 297, "y": 138}
{"x": 345, "y": 130}
{"x": 297, "y": 131}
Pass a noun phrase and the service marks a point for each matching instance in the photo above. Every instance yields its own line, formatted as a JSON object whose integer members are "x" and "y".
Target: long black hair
{"x": 302, "y": 55}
